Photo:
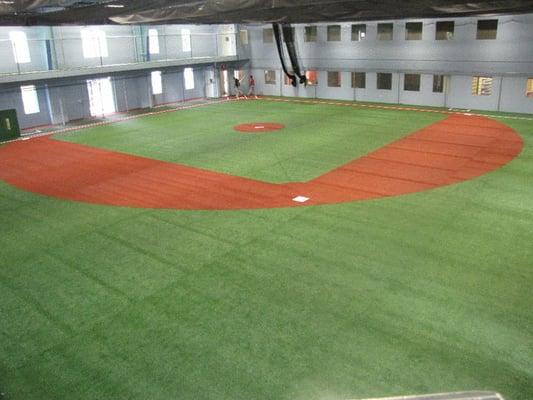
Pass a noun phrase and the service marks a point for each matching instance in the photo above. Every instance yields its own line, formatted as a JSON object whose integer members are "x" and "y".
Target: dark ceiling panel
{"x": 58, "y": 12}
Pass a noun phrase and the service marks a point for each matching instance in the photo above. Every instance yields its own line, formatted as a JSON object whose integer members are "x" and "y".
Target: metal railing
{"x": 73, "y": 53}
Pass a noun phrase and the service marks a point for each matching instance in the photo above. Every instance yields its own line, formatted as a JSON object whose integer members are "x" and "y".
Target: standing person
{"x": 238, "y": 91}
{"x": 251, "y": 85}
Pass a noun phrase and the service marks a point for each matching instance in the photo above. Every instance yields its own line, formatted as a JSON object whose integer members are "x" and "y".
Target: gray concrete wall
{"x": 508, "y": 59}
{"x": 11, "y": 98}
{"x": 126, "y": 45}
{"x": 64, "y": 100}
{"x": 37, "y": 37}
{"x": 203, "y": 39}
{"x": 508, "y": 93}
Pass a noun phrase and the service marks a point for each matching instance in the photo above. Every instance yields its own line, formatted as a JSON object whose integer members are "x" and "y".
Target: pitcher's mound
{"x": 259, "y": 127}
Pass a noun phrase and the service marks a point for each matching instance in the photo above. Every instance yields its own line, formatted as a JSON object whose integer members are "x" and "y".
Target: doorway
{"x": 101, "y": 97}
{"x": 224, "y": 83}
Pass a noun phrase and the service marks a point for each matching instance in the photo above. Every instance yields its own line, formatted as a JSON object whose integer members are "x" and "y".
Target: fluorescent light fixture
{"x": 114, "y": 5}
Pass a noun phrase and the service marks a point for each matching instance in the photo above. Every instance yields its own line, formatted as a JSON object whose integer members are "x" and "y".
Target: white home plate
{"x": 300, "y": 199}
{"x": 259, "y": 127}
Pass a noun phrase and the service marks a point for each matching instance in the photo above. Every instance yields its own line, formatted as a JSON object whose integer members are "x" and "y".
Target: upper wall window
{"x": 310, "y": 34}
{"x": 334, "y": 79}
{"x": 358, "y": 80}
{"x": 19, "y": 43}
{"x": 358, "y": 32}
{"x": 411, "y": 82}
{"x": 30, "y": 101}
{"x": 529, "y": 87}
{"x": 94, "y": 43}
{"x": 312, "y": 78}
{"x": 188, "y": 77}
{"x": 439, "y": 82}
{"x": 487, "y": 29}
{"x": 413, "y": 31}
{"x": 481, "y": 86}
{"x": 186, "y": 40}
{"x": 157, "y": 85}
{"x": 243, "y": 34}
{"x": 153, "y": 41}
{"x": 445, "y": 30}
{"x": 385, "y": 31}
{"x": 384, "y": 81}
{"x": 270, "y": 77}
{"x": 334, "y": 33}
{"x": 268, "y": 35}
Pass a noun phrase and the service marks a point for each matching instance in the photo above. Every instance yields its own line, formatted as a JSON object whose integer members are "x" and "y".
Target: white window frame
{"x": 21, "y": 50}
{"x": 188, "y": 78}
{"x": 243, "y": 34}
{"x": 153, "y": 41}
{"x": 157, "y": 83}
{"x": 94, "y": 43}
{"x": 272, "y": 77}
{"x": 30, "y": 100}
{"x": 482, "y": 85}
{"x": 186, "y": 40}
{"x": 101, "y": 96}
{"x": 529, "y": 87}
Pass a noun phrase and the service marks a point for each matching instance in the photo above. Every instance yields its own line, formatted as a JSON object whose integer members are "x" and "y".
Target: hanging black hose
{"x": 288, "y": 37}
{"x": 277, "y": 35}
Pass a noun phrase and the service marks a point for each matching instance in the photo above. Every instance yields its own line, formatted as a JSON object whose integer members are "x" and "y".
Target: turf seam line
{"x": 373, "y": 157}
{"x": 390, "y": 177}
{"x": 347, "y": 188}
{"x": 29, "y": 299}
{"x": 469, "y": 158}
{"x": 452, "y": 143}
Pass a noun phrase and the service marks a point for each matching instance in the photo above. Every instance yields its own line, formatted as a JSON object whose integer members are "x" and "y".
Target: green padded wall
{"x": 9, "y": 126}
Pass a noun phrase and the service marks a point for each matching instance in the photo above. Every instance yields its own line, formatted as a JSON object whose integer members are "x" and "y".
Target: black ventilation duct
{"x": 58, "y": 12}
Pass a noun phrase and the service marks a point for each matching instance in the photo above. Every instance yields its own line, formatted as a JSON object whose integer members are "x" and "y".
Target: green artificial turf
{"x": 421, "y": 293}
{"x": 317, "y": 137}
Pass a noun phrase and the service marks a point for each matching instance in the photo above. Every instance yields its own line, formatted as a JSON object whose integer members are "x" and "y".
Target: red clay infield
{"x": 456, "y": 149}
{"x": 259, "y": 127}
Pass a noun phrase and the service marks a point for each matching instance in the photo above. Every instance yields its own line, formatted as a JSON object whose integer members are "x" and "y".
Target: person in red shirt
{"x": 251, "y": 86}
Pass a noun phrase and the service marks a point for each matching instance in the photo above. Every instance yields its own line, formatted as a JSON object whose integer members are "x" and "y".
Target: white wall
{"x": 508, "y": 59}
{"x": 457, "y": 95}
{"x": 461, "y": 96}
{"x": 14, "y": 101}
{"x": 37, "y": 37}
{"x": 64, "y": 100}
{"x": 126, "y": 45}
{"x": 425, "y": 96}
{"x": 513, "y": 97}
